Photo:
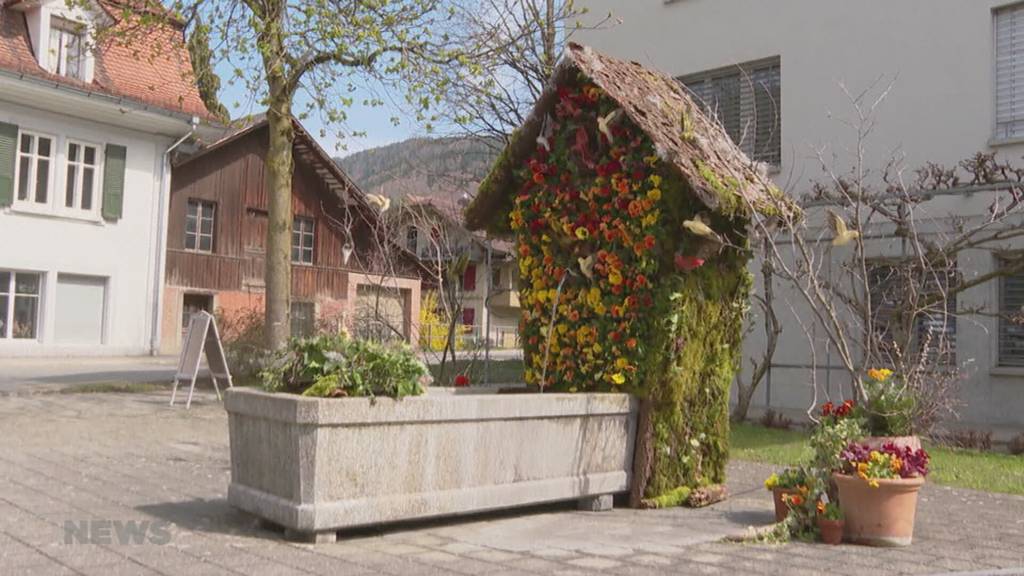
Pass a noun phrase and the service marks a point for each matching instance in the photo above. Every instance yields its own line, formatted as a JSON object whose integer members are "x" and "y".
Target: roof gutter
{"x": 99, "y": 97}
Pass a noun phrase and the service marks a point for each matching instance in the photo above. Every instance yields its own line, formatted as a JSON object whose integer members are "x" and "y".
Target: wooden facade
{"x": 231, "y": 175}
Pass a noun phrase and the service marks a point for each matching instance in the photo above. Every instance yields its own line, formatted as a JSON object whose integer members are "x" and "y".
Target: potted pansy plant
{"x": 878, "y": 492}
{"x": 830, "y": 520}
{"x": 792, "y": 482}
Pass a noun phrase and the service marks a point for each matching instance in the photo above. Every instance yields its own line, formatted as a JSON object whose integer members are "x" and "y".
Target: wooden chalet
{"x": 217, "y": 233}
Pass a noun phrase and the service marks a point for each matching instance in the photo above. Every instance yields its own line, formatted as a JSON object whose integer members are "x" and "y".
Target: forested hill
{"x": 438, "y": 167}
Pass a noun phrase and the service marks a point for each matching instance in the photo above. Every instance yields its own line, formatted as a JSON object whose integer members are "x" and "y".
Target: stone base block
{"x": 599, "y": 503}
{"x": 327, "y": 537}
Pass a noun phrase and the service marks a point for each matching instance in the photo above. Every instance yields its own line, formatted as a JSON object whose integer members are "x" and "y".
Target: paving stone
{"x": 495, "y": 556}
{"x": 49, "y": 474}
{"x": 594, "y": 563}
{"x": 651, "y": 560}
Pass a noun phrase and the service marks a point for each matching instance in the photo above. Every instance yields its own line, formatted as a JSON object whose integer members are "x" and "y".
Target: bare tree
{"x": 874, "y": 260}
{"x": 525, "y": 38}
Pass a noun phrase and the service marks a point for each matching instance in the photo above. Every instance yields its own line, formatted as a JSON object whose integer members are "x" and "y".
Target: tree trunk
{"x": 279, "y": 227}
{"x": 550, "y": 39}
{"x": 279, "y": 167}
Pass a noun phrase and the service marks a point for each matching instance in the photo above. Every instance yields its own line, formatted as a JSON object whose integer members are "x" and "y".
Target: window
{"x": 199, "y": 220}
{"x": 191, "y": 304}
{"x": 469, "y": 278}
{"x": 468, "y": 316}
{"x": 747, "y": 100}
{"x": 81, "y": 178}
{"x": 19, "y": 305}
{"x": 302, "y": 240}
{"x": 897, "y": 291}
{"x": 1011, "y": 320}
{"x": 1009, "y": 71}
{"x": 412, "y": 239}
{"x": 303, "y": 318}
{"x": 35, "y": 156}
{"x": 496, "y": 278}
{"x": 67, "y": 49}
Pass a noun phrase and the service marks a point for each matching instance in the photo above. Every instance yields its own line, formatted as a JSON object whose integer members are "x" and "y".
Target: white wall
{"x": 938, "y": 57}
{"x": 122, "y": 251}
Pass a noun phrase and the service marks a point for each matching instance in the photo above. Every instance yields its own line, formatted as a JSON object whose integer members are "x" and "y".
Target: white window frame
{"x": 30, "y": 201}
{"x": 57, "y": 61}
{"x": 302, "y": 232}
{"x": 8, "y": 313}
{"x": 97, "y": 192}
{"x": 199, "y": 203}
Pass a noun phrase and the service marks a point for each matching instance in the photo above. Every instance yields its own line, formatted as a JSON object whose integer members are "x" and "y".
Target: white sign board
{"x": 202, "y": 336}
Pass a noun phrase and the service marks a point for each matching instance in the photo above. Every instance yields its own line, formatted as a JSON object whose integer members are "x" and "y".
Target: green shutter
{"x": 8, "y": 156}
{"x": 113, "y": 181}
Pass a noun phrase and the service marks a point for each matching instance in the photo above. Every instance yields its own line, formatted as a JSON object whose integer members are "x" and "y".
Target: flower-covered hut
{"x": 630, "y": 211}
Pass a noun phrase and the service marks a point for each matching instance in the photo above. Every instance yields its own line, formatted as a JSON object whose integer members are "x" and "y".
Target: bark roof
{"x": 696, "y": 147}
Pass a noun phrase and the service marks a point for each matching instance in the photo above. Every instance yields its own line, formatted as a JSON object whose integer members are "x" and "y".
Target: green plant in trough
{"x": 337, "y": 365}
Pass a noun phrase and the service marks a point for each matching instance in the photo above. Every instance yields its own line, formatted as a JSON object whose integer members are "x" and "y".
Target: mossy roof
{"x": 696, "y": 147}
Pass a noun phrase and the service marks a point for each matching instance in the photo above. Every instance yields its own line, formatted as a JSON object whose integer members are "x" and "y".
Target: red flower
{"x": 826, "y": 410}
{"x": 461, "y": 381}
{"x": 688, "y": 263}
{"x": 649, "y": 241}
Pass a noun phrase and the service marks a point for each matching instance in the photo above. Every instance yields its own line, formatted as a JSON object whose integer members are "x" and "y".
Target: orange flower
{"x": 631, "y": 343}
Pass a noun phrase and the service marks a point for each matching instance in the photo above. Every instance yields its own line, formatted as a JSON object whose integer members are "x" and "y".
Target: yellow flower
{"x": 615, "y": 278}
{"x": 655, "y": 180}
{"x": 594, "y": 297}
{"x": 582, "y": 233}
{"x": 879, "y": 375}
{"x": 621, "y": 363}
{"x": 873, "y": 483}
{"x": 649, "y": 219}
{"x": 654, "y": 194}
{"x": 651, "y": 160}
{"x": 618, "y": 378}
{"x": 772, "y": 481}
{"x": 562, "y": 328}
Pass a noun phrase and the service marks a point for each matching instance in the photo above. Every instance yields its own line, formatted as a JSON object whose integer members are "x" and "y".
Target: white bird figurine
{"x": 380, "y": 201}
{"x": 698, "y": 226}
{"x": 841, "y": 235}
{"x": 587, "y": 266}
{"x": 543, "y": 139}
{"x": 604, "y": 123}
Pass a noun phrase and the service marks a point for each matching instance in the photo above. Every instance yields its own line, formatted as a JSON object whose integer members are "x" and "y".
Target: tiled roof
{"x": 155, "y": 70}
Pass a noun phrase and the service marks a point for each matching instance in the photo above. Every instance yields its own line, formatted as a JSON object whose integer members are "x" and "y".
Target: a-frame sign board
{"x": 202, "y": 336}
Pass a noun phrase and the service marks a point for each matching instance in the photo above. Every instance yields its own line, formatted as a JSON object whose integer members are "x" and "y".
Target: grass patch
{"x": 117, "y": 388}
{"x": 502, "y": 371}
{"x": 988, "y": 471}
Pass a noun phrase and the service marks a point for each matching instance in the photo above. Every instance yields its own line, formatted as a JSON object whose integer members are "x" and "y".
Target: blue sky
{"x": 374, "y": 121}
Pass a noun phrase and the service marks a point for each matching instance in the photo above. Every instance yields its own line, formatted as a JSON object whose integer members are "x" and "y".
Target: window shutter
{"x": 1011, "y": 330}
{"x": 8, "y": 156}
{"x": 1009, "y": 31}
{"x": 746, "y": 99}
{"x": 113, "y": 181}
{"x": 469, "y": 278}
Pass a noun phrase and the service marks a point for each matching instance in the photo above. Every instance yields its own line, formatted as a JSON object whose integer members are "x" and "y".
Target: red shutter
{"x": 469, "y": 278}
{"x": 468, "y": 316}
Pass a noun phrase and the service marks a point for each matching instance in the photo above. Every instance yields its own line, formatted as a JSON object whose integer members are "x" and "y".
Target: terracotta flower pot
{"x": 882, "y": 516}
{"x": 831, "y": 530}
{"x": 781, "y": 510}
{"x": 876, "y": 442}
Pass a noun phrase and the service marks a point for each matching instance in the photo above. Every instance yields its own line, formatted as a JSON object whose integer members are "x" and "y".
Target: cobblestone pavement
{"x": 114, "y": 458}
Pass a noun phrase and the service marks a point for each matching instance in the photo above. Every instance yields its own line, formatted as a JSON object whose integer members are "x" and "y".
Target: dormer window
{"x": 67, "y": 49}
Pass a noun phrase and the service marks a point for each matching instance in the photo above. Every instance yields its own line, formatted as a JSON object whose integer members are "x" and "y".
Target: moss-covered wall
{"x": 644, "y": 306}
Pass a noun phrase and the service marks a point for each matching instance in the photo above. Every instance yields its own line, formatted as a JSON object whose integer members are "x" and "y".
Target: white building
{"x": 488, "y": 293}
{"x": 782, "y": 74}
{"x": 85, "y": 136}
